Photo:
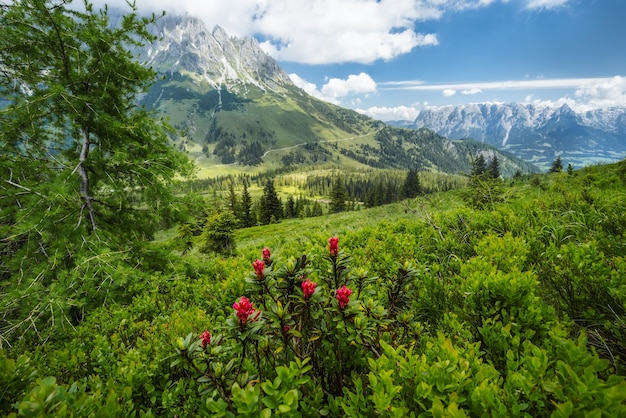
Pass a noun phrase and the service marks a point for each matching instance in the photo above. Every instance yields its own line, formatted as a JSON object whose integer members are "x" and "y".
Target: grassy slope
{"x": 557, "y": 218}
{"x": 283, "y": 122}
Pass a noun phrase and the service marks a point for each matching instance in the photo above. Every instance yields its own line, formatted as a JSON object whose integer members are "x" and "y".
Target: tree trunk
{"x": 84, "y": 180}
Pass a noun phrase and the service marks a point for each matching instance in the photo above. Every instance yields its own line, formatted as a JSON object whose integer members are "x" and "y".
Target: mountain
{"x": 238, "y": 110}
{"x": 535, "y": 134}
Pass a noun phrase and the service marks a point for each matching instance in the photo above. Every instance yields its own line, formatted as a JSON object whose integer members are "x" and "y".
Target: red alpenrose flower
{"x": 259, "y": 265}
{"x": 266, "y": 253}
{"x": 205, "y": 338}
{"x": 244, "y": 309}
{"x": 333, "y": 246}
{"x": 343, "y": 296}
{"x": 308, "y": 288}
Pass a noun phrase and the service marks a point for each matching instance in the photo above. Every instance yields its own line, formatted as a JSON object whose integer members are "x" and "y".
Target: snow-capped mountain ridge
{"x": 536, "y": 134}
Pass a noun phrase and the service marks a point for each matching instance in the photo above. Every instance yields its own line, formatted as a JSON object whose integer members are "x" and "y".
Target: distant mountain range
{"x": 236, "y": 108}
{"x": 534, "y": 134}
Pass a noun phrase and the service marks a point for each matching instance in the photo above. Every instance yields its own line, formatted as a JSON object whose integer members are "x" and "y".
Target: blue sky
{"x": 391, "y": 58}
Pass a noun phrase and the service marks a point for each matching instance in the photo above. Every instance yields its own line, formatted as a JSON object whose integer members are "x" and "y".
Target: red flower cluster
{"x": 244, "y": 309}
{"x": 205, "y": 338}
{"x": 308, "y": 288}
{"x": 266, "y": 254}
{"x": 333, "y": 246}
{"x": 343, "y": 296}
{"x": 259, "y": 266}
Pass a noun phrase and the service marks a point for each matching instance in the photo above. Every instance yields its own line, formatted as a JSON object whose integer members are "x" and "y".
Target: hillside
{"x": 512, "y": 308}
{"x": 238, "y": 111}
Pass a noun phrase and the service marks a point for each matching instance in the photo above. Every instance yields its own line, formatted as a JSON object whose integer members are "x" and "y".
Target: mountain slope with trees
{"x": 237, "y": 110}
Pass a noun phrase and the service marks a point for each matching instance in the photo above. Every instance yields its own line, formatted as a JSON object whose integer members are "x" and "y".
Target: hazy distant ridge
{"x": 535, "y": 134}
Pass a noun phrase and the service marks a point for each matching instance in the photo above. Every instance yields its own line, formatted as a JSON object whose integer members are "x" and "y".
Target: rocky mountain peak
{"x": 184, "y": 44}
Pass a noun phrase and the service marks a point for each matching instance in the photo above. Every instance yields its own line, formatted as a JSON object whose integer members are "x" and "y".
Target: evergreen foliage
{"x": 479, "y": 166}
{"x": 218, "y": 235}
{"x": 493, "y": 171}
{"x": 511, "y": 302}
{"x": 557, "y": 165}
{"x": 247, "y": 216}
{"x": 338, "y": 196}
{"x": 86, "y": 173}
{"x": 411, "y": 187}
{"x": 271, "y": 209}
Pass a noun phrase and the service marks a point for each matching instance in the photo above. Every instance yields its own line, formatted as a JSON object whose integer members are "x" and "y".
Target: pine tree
{"x": 557, "y": 165}
{"x": 493, "y": 171}
{"x": 247, "y": 216}
{"x": 338, "y": 197}
{"x": 233, "y": 202}
{"x": 317, "y": 209}
{"x": 271, "y": 209}
{"x": 411, "y": 187}
{"x": 479, "y": 167}
{"x": 290, "y": 208}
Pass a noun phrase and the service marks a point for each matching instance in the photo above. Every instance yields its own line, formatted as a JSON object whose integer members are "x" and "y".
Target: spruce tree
{"x": 317, "y": 209}
{"x": 271, "y": 208}
{"x": 479, "y": 167}
{"x": 557, "y": 165}
{"x": 411, "y": 187}
{"x": 493, "y": 171}
{"x": 338, "y": 197}
{"x": 290, "y": 208}
{"x": 233, "y": 202}
{"x": 247, "y": 215}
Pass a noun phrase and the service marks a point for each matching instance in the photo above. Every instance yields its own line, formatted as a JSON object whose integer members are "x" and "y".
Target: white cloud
{"x": 321, "y": 31}
{"x": 581, "y": 94}
{"x": 601, "y": 93}
{"x": 336, "y": 89}
{"x": 354, "y": 84}
{"x": 544, "y": 83}
{"x": 471, "y": 91}
{"x": 545, "y": 4}
{"x": 391, "y": 113}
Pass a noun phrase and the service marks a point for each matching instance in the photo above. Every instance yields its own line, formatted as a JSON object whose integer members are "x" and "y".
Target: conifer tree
{"x": 247, "y": 215}
{"x": 218, "y": 235}
{"x": 479, "y": 167}
{"x": 411, "y": 187}
{"x": 290, "y": 208}
{"x": 338, "y": 196}
{"x": 85, "y": 172}
{"x": 233, "y": 202}
{"x": 317, "y": 209}
{"x": 493, "y": 171}
{"x": 557, "y": 165}
{"x": 271, "y": 209}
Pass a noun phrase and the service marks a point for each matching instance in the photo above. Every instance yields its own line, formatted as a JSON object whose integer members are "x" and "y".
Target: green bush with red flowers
{"x": 514, "y": 310}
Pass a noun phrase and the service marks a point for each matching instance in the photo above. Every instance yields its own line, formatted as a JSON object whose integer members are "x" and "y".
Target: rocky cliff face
{"x": 187, "y": 46}
{"x": 535, "y": 134}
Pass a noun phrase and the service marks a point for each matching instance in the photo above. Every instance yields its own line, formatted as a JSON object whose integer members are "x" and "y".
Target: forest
{"x": 130, "y": 289}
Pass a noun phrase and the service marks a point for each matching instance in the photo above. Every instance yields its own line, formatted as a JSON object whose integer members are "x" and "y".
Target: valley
{"x": 203, "y": 238}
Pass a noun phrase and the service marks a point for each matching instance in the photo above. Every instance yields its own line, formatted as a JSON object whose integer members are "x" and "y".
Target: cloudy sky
{"x": 391, "y": 58}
